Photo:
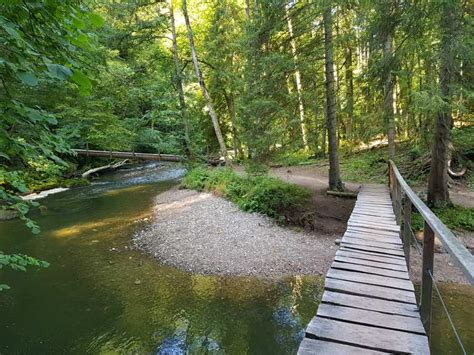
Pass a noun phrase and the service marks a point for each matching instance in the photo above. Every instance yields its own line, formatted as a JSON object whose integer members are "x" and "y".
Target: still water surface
{"x": 100, "y": 297}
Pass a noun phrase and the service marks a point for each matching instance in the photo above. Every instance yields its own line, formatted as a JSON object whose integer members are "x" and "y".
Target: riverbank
{"x": 203, "y": 233}
{"x": 206, "y": 234}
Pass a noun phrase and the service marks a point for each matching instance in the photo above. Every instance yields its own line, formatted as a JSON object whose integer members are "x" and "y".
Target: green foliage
{"x": 19, "y": 262}
{"x": 299, "y": 157}
{"x": 263, "y": 194}
{"x": 365, "y": 166}
{"x": 454, "y": 217}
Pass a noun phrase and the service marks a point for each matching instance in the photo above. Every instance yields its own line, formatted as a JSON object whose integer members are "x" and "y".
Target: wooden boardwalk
{"x": 368, "y": 305}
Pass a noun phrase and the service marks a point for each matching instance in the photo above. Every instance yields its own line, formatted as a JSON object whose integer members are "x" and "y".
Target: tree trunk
{"x": 388, "y": 93}
{"x": 349, "y": 92}
{"x": 438, "y": 194}
{"x": 299, "y": 87}
{"x": 335, "y": 182}
{"x": 205, "y": 93}
{"x": 229, "y": 99}
{"x": 179, "y": 84}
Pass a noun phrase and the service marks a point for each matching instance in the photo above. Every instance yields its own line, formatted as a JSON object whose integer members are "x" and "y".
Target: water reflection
{"x": 99, "y": 296}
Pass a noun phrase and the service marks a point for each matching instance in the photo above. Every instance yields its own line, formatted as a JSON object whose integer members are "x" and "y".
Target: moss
{"x": 263, "y": 194}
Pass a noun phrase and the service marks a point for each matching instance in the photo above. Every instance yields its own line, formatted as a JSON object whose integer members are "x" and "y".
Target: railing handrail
{"x": 455, "y": 248}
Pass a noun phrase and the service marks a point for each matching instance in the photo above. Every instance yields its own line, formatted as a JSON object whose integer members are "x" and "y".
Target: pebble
{"x": 210, "y": 235}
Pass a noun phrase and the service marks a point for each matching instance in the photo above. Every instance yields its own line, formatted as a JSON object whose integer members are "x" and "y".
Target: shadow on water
{"x": 459, "y": 300}
{"x": 99, "y": 296}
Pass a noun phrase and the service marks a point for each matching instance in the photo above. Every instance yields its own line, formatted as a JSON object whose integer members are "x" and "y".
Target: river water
{"x": 101, "y": 297}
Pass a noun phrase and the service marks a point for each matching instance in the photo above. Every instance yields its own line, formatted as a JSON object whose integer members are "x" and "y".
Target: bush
{"x": 263, "y": 194}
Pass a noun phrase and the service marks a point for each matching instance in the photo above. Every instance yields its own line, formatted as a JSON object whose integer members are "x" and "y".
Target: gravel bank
{"x": 202, "y": 233}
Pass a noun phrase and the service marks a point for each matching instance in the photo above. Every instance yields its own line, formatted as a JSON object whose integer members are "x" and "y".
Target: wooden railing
{"x": 128, "y": 155}
{"x": 404, "y": 200}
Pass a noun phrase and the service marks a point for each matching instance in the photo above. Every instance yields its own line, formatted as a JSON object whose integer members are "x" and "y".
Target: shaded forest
{"x": 254, "y": 82}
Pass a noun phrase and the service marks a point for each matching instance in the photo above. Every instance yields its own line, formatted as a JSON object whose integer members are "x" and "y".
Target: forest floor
{"x": 315, "y": 178}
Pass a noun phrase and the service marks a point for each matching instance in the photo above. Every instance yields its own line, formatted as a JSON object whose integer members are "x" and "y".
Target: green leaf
{"x": 96, "y": 20}
{"x": 10, "y": 29}
{"x": 58, "y": 71}
{"x": 3, "y": 155}
{"x": 4, "y": 287}
{"x": 82, "y": 81}
{"x": 27, "y": 78}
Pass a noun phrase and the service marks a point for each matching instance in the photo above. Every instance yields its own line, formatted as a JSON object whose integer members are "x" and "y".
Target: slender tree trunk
{"x": 349, "y": 92}
{"x": 229, "y": 99}
{"x": 388, "y": 93}
{"x": 202, "y": 84}
{"x": 299, "y": 87}
{"x": 438, "y": 194}
{"x": 179, "y": 84}
{"x": 335, "y": 182}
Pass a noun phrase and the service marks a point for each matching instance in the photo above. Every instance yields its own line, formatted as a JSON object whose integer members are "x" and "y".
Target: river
{"x": 99, "y": 296}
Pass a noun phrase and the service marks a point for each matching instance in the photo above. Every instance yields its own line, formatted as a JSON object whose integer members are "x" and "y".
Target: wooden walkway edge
{"x": 368, "y": 305}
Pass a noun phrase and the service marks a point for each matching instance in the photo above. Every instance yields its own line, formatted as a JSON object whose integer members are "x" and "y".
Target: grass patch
{"x": 263, "y": 194}
{"x": 365, "y": 166}
{"x": 454, "y": 217}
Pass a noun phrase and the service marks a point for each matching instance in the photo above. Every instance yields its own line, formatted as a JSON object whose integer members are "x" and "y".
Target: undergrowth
{"x": 263, "y": 194}
{"x": 454, "y": 217}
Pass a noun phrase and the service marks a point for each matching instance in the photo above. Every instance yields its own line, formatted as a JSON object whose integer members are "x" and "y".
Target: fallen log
{"x": 345, "y": 194}
{"x": 111, "y": 166}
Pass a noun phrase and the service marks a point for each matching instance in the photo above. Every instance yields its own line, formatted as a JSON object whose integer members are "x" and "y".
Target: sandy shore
{"x": 203, "y": 233}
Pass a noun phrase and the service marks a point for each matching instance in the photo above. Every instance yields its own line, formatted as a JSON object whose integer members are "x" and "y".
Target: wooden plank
{"x": 376, "y": 212}
{"x": 372, "y": 243}
{"x": 345, "y": 259}
{"x": 373, "y": 249}
{"x": 372, "y": 231}
{"x": 389, "y": 259}
{"x": 363, "y": 316}
{"x": 373, "y": 337}
{"x": 364, "y": 207}
{"x": 374, "y": 216}
{"x": 360, "y": 202}
{"x": 380, "y": 223}
{"x": 381, "y": 226}
{"x": 370, "y": 279}
{"x": 375, "y": 202}
{"x": 375, "y": 221}
{"x": 372, "y": 304}
{"x": 311, "y": 346}
{"x": 377, "y": 238}
{"x": 366, "y": 269}
{"x": 373, "y": 291}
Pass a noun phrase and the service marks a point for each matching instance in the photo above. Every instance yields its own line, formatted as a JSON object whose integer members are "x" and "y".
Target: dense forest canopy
{"x": 275, "y": 76}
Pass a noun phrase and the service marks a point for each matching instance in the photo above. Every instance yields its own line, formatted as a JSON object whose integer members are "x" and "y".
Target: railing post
{"x": 406, "y": 232}
{"x": 389, "y": 171}
{"x": 426, "y": 280}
